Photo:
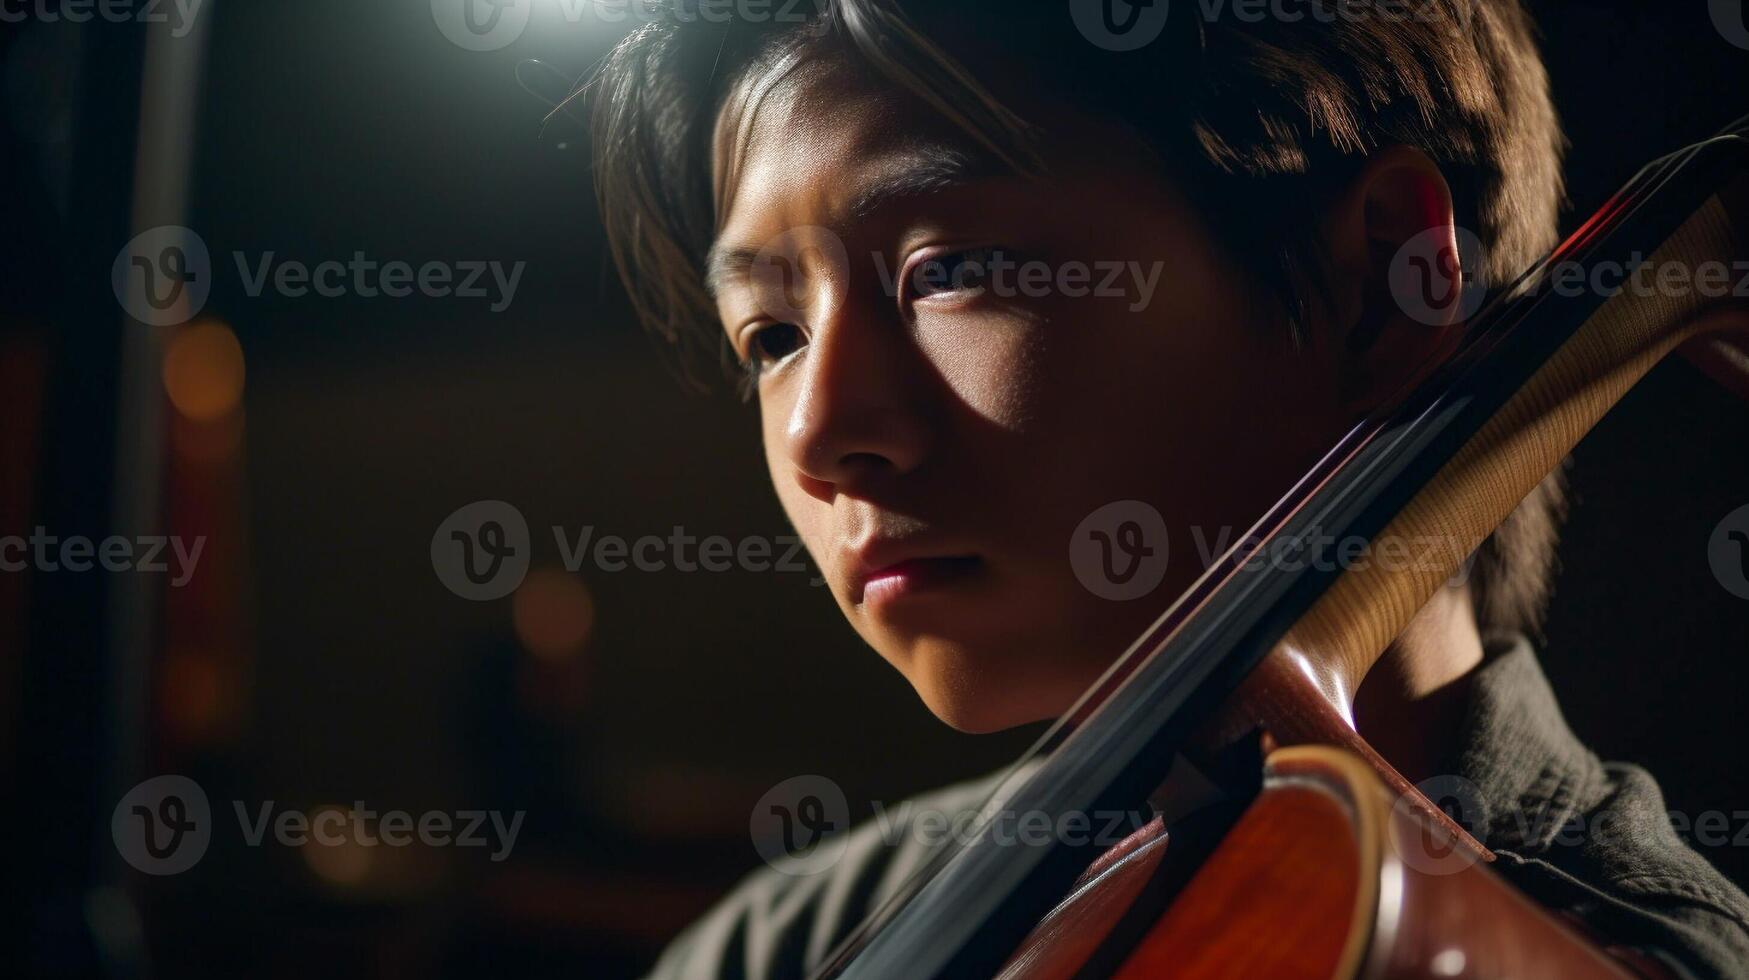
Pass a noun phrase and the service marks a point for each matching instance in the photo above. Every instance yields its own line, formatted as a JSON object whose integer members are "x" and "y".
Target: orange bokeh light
{"x": 203, "y": 371}
{"x": 553, "y": 614}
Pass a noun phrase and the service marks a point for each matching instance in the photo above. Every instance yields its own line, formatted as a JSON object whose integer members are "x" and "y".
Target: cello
{"x": 1323, "y": 847}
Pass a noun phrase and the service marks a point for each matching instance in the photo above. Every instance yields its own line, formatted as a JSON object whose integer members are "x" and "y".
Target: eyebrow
{"x": 926, "y": 170}
{"x": 915, "y": 172}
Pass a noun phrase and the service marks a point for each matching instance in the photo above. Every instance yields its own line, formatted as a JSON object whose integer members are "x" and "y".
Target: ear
{"x": 1391, "y": 225}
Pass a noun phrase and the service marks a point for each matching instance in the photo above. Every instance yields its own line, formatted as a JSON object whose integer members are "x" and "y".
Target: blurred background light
{"x": 203, "y": 371}
{"x": 553, "y": 614}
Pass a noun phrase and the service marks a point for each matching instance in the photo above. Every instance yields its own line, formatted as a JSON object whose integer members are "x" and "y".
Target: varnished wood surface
{"x": 1325, "y": 875}
{"x": 1277, "y": 898}
{"x": 1059, "y": 946}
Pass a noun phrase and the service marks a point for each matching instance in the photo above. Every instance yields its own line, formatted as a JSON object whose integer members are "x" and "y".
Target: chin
{"x": 982, "y": 691}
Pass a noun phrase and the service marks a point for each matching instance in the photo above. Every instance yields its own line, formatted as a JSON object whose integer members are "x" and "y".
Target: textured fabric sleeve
{"x": 777, "y": 926}
{"x": 1590, "y": 838}
{"x": 1622, "y": 868}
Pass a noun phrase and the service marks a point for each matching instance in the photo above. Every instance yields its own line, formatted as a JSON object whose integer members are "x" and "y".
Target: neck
{"x": 1412, "y": 701}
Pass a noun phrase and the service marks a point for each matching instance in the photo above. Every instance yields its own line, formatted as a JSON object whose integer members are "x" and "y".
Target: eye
{"x": 772, "y": 342}
{"x": 969, "y": 271}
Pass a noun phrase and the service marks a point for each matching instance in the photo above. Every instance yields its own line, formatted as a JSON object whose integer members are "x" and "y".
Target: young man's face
{"x": 938, "y": 445}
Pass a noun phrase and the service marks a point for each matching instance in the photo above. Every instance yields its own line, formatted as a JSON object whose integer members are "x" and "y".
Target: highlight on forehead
{"x": 916, "y": 169}
{"x": 797, "y": 63}
{"x": 913, "y": 67}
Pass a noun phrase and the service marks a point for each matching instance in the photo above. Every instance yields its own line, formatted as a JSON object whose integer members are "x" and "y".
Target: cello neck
{"x": 1469, "y": 496}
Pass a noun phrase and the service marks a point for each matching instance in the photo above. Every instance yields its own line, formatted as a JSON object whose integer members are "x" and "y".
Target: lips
{"x": 884, "y": 573}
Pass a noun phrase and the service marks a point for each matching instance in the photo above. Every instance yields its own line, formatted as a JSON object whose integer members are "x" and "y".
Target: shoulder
{"x": 1620, "y": 866}
{"x": 1594, "y": 838}
{"x": 1634, "y": 842}
{"x": 779, "y": 923}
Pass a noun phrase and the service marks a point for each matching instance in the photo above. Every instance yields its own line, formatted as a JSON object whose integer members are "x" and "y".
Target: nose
{"x": 861, "y": 415}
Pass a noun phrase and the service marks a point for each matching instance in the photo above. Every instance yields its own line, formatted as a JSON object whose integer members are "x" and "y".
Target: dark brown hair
{"x": 1263, "y": 116}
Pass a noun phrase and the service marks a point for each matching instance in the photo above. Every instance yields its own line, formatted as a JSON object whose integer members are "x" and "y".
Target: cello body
{"x": 1324, "y": 875}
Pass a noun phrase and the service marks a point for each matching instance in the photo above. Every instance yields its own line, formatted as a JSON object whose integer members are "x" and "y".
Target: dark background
{"x": 330, "y": 665}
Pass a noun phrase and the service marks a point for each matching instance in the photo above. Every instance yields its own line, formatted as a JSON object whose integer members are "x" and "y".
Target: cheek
{"x": 1183, "y": 404}
{"x": 1122, "y": 384}
{"x": 989, "y": 360}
